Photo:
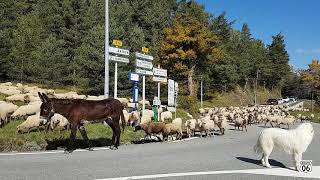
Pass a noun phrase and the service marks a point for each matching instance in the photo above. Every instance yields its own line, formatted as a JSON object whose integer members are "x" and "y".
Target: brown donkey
{"x": 79, "y": 111}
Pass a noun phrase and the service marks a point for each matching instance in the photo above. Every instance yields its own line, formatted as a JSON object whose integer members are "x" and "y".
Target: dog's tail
{"x": 257, "y": 148}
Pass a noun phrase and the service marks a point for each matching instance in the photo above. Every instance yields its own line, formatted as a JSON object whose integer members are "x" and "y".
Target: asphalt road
{"x": 211, "y": 158}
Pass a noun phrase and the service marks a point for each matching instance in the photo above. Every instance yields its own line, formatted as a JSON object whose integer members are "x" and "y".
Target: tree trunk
{"x": 190, "y": 81}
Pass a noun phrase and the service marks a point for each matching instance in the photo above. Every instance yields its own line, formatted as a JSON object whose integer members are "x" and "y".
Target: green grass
{"x": 2, "y": 97}
{"x": 99, "y": 135}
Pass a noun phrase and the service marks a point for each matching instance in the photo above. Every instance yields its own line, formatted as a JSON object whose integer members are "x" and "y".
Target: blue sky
{"x": 297, "y": 20}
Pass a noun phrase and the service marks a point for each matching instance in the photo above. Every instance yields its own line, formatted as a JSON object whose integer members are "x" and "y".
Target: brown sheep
{"x": 151, "y": 128}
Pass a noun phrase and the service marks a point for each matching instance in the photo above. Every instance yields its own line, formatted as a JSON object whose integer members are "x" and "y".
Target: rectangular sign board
{"x": 160, "y": 72}
{"x": 144, "y": 64}
{"x": 144, "y": 56}
{"x": 170, "y": 92}
{"x": 119, "y": 51}
{"x": 145, "y": 50}
{"x": 144, "y": 72}
{"x": 118, "y": 59}
{"x": 133, "y": 77}
{"x": 159, "y": 79}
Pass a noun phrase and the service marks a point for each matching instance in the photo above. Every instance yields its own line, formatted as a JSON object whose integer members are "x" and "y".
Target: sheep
{"x": 239, "y": 121}
{"x": 151, "y": 128}
{"x": 133, "y": 117}
{"x": 202, "y": 111}
{"x": 206, "y": 125}
{"x": 165, "y": 116}
{"x": 6, "y": 84}
{"x": 173, "y": 128}
{"x": 286, "y": 121}
{"x": 191, "y": 126}
{"x": 59, "y": 122}
{"x": 221, "y": 123}
{"x": 16, "y": 97}
{"x": 126, "y": 116}
{"x": 123, "y": 100}
{"x": 5, "y": 110}
{"x": 145, "y": 119}
{"x": 30, "y": 109}
{"x": 32, "y": 122}
{"x": 10, "y": 92}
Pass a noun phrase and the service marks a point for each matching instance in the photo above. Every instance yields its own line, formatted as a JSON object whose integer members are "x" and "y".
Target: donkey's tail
{"x": 123, "y": 121}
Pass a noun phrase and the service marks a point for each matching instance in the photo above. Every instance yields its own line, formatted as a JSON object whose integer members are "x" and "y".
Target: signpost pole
{"x": 201, "y": 92}
{"x": 115, "y": 80}
{"x": 143, "y": 93}
{"x": 106, "y": 51}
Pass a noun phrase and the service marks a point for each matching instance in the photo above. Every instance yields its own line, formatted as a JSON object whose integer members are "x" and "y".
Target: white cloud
{"x": 308, "y": 51}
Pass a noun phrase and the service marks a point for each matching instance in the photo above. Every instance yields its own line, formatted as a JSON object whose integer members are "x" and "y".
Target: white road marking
{"x": 274, "y": 171}
{"x": 50, "y": 152}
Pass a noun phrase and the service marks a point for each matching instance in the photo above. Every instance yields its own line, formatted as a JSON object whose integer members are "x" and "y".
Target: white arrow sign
{"x": 145, "y": 72}
{"x": 119, "y": 51}
{"x": 144, "y": 56}
{"x": 144, "y": 64}
{"x": 118, "y": 59}
{"x": 159, "y": 79}
{"x": 159, "y": 72}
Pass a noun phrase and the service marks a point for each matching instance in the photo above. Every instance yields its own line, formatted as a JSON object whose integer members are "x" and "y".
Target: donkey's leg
{"x": 72, "y": 138}
{"x": 85, "y": 136}
{"x": 109, "y": 122}
{"x": 118, "y": 132}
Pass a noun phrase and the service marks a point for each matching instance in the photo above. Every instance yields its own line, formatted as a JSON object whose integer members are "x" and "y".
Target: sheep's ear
{"x": 41, "y": 97}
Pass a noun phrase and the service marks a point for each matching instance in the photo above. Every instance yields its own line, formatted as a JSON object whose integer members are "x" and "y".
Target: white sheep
{"x": 286, "y": 121}
{"x": 173, "y": 128}
{"x": 32, "y": 122}
{"x": 26, "y": 110}
{"x": 145, "y": 119}
{"x": 123, "y": 100}
{"x": 191, "y": 125}
{"x": 16, "y": 97}
{"x": 59, "y": 122}
{"x": 5, "y": 110}
{"x": 165, "y": 116}
{"x": 206, "y": 125}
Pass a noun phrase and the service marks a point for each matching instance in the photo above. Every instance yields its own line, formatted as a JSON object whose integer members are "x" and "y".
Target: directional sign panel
{"x": 170, "y": 92}
{"x": 144, "y": 72}
{"x": 144, "y": 56}
{"x": 144, "y": 64}
{"x": 119, "y": 51}
{"x": 159, "y": 72}
{"x": 159, "y": 79}
{"x": 117, "y": 43}
{"x": 118, "y": 59}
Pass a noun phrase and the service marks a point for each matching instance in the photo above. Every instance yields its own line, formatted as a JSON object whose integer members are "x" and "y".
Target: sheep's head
{"x": 137, "y": 127}
{"x": 46, "y": 109}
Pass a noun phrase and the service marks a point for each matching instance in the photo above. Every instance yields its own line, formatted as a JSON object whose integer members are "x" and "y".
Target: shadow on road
{"x": 258, "y": 162}
{"x": 79, "y": 143}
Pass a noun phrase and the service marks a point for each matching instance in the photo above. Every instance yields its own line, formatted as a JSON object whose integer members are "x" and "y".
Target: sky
{"x": 297, "y": 20}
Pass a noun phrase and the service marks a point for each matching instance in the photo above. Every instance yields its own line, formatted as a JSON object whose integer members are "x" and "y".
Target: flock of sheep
{"x": 210, "y": 118}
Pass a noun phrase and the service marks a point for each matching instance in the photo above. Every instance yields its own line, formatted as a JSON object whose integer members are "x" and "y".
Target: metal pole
{"x": 255, "y": 91}
{"x": 311, "y": 101}
{"x": 158, "y": 97}
{"x": 201, "y": 92}
{"x": 143, "y": 93}
{"x": 106, "y": 51}
{"x": 115, "y": 80}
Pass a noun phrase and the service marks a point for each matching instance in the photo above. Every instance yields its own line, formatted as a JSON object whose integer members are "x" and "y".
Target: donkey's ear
{"x": 45, "y": 97}
{"x": 41, "y": 97}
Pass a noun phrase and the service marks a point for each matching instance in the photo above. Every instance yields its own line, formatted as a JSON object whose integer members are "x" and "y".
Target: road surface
{"x": 221, "y": 157}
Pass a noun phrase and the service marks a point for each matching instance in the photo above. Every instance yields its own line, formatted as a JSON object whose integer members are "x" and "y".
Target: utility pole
{"x": 255, "y": 91}
{"x": 106, "y": 51}
{"x": 201, "y": 90}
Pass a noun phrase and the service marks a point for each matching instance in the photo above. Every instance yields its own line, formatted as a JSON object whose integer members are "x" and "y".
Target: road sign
{"x": 145, "y": 50}
{"x": 159, "y": 79}
{"x": 119, "y": 51}
{"x": 133, "y": 77}
{"x": 144, "y": 56}
{"x": 118, "y": 59}
{"x": 144, "y": 72}
{"x": 144, "y": 64}
{"x": 159, "y": 72}
{"x": 170, "y": 92}
{"x": 117, "y": 43}
{"x": 156, "y": 101}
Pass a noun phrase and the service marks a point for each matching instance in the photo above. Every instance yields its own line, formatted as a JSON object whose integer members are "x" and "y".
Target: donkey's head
{"x": 46, "y": 108}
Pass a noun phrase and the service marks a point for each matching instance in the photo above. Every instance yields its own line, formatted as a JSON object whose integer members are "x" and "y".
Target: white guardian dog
{"x": 295, "y": 142}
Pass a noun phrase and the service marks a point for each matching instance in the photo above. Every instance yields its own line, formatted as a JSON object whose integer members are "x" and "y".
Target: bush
{"x": 189, "y": 104}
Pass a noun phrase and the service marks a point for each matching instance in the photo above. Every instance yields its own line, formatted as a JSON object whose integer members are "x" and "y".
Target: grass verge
{"x": 99, "y": 135}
